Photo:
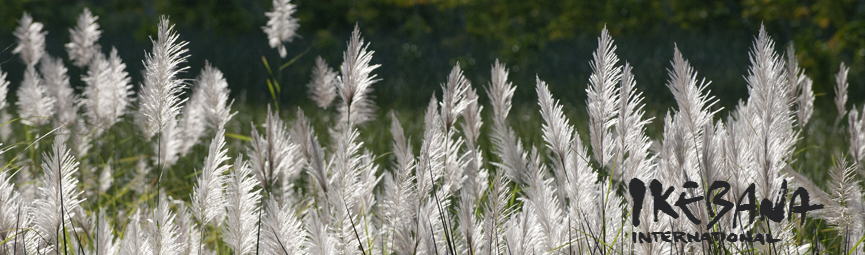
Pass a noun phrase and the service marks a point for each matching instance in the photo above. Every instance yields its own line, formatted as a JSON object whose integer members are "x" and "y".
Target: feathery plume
{"x": 523, "y": 234}
{"x": 171, "y": 141}
{"x": 430, "y": 165}
{"x": 214, "y": 92}
{"x": 856, "y": 127}
{"x": 83, "y": 46}
{"x": 477, "y": 177}
{"x": 9, "y": 207}
{"x": 31, "y": 40}
{"x": 34, "y": 106}
{"x": 631, "y": 130}
{"x": 281, "y": 27}
{"x": 541, "y": 197}
{"x": 4, "y": 91}
{"x": 191, "y": 124}
{"x": 107, "y": 92}
{"x": 273, "y": 157}
{"x": 104, "y": 242}
{"x": 558, "y": 135}
{"x": 163, "y": 229}
{"x": 355, "y": 82}
{"x": 399, "y": 205}
{"x": 454, "y": 99}
{"x": 282, "y": 232}
{"x": 692, "y": 96}
{"x": 841, "y": 91}
{"x": 322, "y": 88}
{"x": 773, "y": 138}
{"x": 58, "y": 88}
{"x": 304, "y": 136}
{"x": 800, "y": 88}
{"x": 557, "y": 132}
{"x": 497, "y": 214}
{"x": 160, "y": 100}
{"x": 240, "y": 228}
{"x": 59, "y": 197}
{"x": 208, "y": 202}
{"x": 135, "y": 239}
{"x": 603, "y": 97}
{"x": 847, "y": 214}
{"x": 189, "y": 235}
{"x": 320, "y": 242}
{"x": 508, "y": 147}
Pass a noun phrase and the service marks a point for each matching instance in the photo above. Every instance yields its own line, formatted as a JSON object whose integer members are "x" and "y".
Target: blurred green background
{"x": 418, "y": 41}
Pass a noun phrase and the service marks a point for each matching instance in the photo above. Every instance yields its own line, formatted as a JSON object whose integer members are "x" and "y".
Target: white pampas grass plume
{"x": 399, "y": 205}
{"x": 4, "y": 91}
{"x": 192, "y": 123}
{"x": 856, "y": 127}
{"x": 160, "y": 100}
{"x": 320, "y": 241}
{"x": 58, "y": 88}
{"x": 773, "y": 138}
{"x": 171, "y": 141}
{"x": 107, "y": 93}
{"x": 272, "y": 156}
{"x": 83, "y": 46}
{"x": 847, "y": 214}
{"x": 631, "y": 130}
{"x": 304, "y": 136}
{"x": 9, "y": 207}
{"x": 477, "y": 177}
{"x": 58, "y": 196}
{"x": 281, "y": 231}
{"x": 523, "y": 232}
{"x": 208, "y": 202}
{"x": 602, "y": 102}
{"x": 692, "y": 96}
{"x": 497, "y": 214}
{"x": 240, "y": 228}
{"x": 103, "y": 242}
{"x": 558, "y": 134}
{"x": 454, "y": 99}
{"x": 135, "y": 239}
{"x": 508, "y": 146}
{"x": 322, "y": 88}
{"x": 433, "y": 148}
{"x": 800, "y": 88}
{"x": 841, "y": 86}
{"x": 163, "y": 229}
{"x": 34, "y": 106}
{"x": 281, "y": 27}
{"x": 31, "y": 40}
{"x": 214, "y": 92}
{"x": 120, "y": 88}
{"x": 189, "y": 235}
{"x": 541, "y": 195}
{"x": 354, "y": 83}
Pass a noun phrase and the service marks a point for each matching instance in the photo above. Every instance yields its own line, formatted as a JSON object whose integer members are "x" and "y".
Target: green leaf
{"x": 238, "y": 136}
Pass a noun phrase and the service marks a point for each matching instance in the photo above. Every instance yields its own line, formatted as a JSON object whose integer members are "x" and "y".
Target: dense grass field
{"x": 178, "y": 166}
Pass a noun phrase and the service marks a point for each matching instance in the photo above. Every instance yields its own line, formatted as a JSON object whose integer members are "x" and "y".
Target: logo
{"x": 717, "y": 206}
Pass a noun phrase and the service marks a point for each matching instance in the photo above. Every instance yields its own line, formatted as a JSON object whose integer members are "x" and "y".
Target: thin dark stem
{"x": 62, "y": 208}
{"x": 350, "y": 219}
{"x": 258, "y": 231}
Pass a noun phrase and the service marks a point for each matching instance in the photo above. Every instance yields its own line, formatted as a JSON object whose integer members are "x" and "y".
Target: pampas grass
{"x": 462, "y": 182}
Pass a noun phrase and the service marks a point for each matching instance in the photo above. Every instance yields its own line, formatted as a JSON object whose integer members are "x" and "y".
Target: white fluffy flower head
{"x": 282, "y": 27}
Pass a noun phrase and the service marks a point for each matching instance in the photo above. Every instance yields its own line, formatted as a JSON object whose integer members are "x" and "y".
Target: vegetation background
{"x": 418, "y": 41}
